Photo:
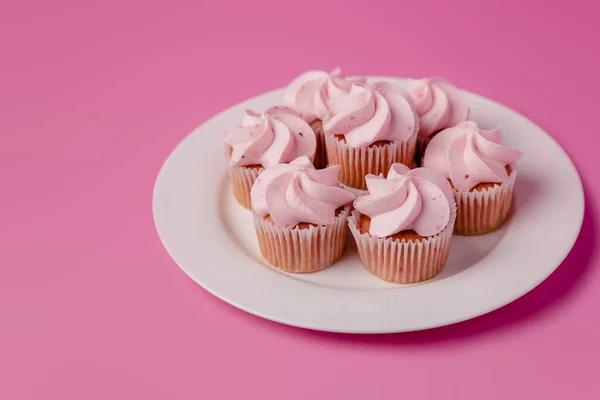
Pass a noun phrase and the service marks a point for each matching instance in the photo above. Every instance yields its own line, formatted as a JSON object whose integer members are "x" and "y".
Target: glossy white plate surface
{"x": 212, "y": 239}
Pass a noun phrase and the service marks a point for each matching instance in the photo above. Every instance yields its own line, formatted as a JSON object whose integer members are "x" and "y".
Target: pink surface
{"x": 93, "y": 97}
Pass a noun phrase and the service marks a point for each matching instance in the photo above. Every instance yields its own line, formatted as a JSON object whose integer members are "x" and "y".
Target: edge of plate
{"x": 367, "y": 331}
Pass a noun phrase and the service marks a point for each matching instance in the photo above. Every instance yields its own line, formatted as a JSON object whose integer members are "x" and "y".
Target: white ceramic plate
{"x": 212, "y": 239}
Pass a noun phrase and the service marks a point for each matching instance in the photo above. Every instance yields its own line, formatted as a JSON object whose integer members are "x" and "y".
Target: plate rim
{"x": 449, "y": 321}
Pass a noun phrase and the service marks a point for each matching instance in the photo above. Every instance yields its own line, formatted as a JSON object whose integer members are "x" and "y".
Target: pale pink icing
{"x": 297, "y": 192}
{"x": 276, "y": 136}
{"x": 370, "y": 113}
{"x": 439, "y": 103}
{"x": 309, "y": 93}
{"x": 469, "y": 156}
{"x": 420, "y": 199}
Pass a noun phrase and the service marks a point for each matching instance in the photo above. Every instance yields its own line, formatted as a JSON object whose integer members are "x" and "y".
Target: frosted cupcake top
{"x": 469, "y": 156}
{"x": 371, "y": 113}
{"x": 439, "y": 103}
{"x": 297, "y": 192}
{"x": 308, "y": 93}
{"x": 420, "y": 199}
{"x": 276, "y": 136}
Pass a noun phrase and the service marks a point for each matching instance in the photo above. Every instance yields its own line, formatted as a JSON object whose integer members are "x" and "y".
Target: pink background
{"x": 93, "y": 97}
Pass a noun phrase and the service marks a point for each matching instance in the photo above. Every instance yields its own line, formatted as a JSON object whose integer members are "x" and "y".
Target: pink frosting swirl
{"x": 297, "y": 192}
{"x": 278, "y": 135}
{"x": 370, "y": 113}
{"x": 469, "y": 156}
{"x": 420, "y": 199}
{"x": 309, "y": 93}
{"x": 439, "y": 103}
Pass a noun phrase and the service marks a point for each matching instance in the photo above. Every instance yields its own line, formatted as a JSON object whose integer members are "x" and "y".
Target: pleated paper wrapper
{"x": 403, "y": 261}
{"x": 242, "y": 179}
{"x": 483, "y": 211}
{"x": 302, "y": 250}
{"x": 356, "y": 163}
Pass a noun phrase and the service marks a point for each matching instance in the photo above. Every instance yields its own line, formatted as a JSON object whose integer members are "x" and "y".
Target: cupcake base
{"x": 356, "y": 163}
{"x": 242, "y": 179}
{"x": 482, "y": 211}
{"x": 320, "y": 153}
{"x": 402, "y": 261}
{"x": 422, "y": 143}
{"x": 302, "y": 249}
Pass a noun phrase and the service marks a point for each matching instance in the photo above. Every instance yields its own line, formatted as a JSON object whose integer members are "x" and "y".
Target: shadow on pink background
{"x": 95, "y": 95}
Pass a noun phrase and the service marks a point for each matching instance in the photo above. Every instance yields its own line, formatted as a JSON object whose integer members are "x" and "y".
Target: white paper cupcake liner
{"x": 242, "y": 179}
{"x": 302, "y": 250}
{"x": 483, "y": 211}
{"x": 321, "y": 152}
{"x": 356, "y": 163}
{"x": 402, "y": 261}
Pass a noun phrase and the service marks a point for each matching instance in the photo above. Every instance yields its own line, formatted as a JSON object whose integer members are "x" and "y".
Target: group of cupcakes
{"x": 402, "y": 169}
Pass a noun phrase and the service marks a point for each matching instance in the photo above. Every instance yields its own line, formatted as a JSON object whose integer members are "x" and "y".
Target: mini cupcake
{"x": 439, "y": 104}
{"x": 403, "y": 226}
{"x": 300, "y": 216}
{"x": 277, "y": 136}
{"x": 309, "y": 93}
{"x": 481, "y": 171}
{"x": 370, "y": 128}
